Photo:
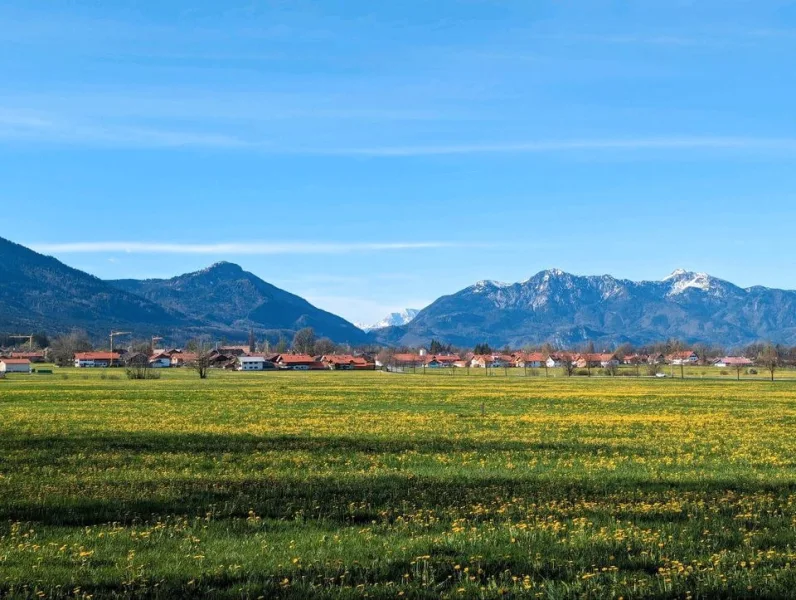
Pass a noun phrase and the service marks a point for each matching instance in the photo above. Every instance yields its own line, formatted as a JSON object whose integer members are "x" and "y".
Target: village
{"x": 243, "y": 358}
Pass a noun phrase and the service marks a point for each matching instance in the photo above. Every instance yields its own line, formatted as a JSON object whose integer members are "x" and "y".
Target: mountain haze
{"x": 554, "y": 306}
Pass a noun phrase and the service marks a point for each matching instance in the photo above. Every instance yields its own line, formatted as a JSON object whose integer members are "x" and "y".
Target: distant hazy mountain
{"x": 395, "y": 319}
{"x": 567, "y": 309}
{"x": 225, "y": 298}
{"x": 40, "y": 293}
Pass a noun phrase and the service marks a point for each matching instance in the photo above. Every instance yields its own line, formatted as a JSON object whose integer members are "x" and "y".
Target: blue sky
{"x": 372, "y": 156}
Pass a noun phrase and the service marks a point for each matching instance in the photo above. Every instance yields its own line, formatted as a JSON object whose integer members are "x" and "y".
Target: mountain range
{"x": 39, "y": 293}
{"x": 568, "y": 310}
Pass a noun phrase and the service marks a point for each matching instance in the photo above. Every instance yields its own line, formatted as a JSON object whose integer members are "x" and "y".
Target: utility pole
{"x": 113, "y": 335}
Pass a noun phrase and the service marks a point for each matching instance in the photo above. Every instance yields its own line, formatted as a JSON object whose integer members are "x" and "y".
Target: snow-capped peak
{"x": 682, "y": 280}
{"x": 395, "y": 319}
{"x": 676, "y": 274}
{"x": 488, "y": 283}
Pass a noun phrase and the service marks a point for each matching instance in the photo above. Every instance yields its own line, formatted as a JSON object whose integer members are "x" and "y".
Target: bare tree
{"x": 202, "y": 362}
{"x": 141, "y": 370}
{"x": 769, "y": 358}
{"x": 387, "y": 358}
{"x": 64, "y": 347}
{"x": 304, "y": 341}
{"x": 635, "y": 360}
{"x": 281, "y": 345}
{"x": 325, "y": 346}
{"x": 252, "y": 341}
{"x": 568, "y": 364}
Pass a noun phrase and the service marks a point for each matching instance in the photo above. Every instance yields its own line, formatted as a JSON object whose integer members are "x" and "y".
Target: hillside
{"x": 227, "y": 299}
{"x": 554, "y": 306}
{"x": 40, "y": 293}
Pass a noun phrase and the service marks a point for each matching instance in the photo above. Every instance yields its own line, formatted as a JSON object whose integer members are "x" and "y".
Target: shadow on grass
{"x": 198, "y": 443}
{"x": 301, "y": 495}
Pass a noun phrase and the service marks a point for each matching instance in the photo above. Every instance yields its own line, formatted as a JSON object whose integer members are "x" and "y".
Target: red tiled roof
{"x": 735, "y": 360}
{"x": 338, "y": 359}
{"x": 27, "y": 355}
{"x": 681, "y": 355}
{"x": 295, "y": 358}
{"x": 531, "y": 357}
{"x": 15, "y": 361}
{"x": 442, "y": 358}
{"x": 406, "y": 357}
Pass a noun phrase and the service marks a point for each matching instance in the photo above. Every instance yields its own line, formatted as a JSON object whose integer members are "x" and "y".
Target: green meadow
{"x": 351, "y": 485}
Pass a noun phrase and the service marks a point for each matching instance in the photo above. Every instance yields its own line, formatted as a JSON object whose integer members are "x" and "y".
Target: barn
{"x": 14, "y": 365}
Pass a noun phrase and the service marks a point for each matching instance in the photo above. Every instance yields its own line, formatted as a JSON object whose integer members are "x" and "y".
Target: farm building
{"x": 97, "y": 359}
{"x": 253, "y": 363}
{"x": 299, "y": 362}
{"x": 347, "y": 362}
{"x": 14, "y": 365}
{"x": 34, "y": 357}
{"x": 733, "y": 361}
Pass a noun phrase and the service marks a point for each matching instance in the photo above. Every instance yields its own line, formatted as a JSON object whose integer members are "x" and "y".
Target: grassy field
{"x": 383, "y": 485}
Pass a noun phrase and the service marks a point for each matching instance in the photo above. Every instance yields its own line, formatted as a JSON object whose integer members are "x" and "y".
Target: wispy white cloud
{"x": 238, "y": 248}
{"x": 16, "y": 126}
{"x": 652, "y": 143}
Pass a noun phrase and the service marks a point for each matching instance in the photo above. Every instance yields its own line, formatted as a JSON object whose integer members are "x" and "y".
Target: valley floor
{"x": 337, "y": 484}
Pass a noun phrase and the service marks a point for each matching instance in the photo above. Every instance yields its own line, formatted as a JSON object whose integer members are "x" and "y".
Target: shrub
{"x": 751, "y": 371}
{"x": 723, "y": 372}
{"x": 141, "y": 372}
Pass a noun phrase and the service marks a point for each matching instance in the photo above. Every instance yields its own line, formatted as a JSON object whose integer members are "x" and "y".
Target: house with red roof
{"x": 686, "y": 357}
{"x": 180, "y": 359}
{"x": 437, "y": 361}
{"x": 299, "y": 362}
{"x": 97, "y": 359}
{"x": 557, "y": 359}
{"x": 34, "y": 357}
{"x": 603, "y": 360}
{"x": 733, "y": 361}
{"x": 530, "y": 360}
